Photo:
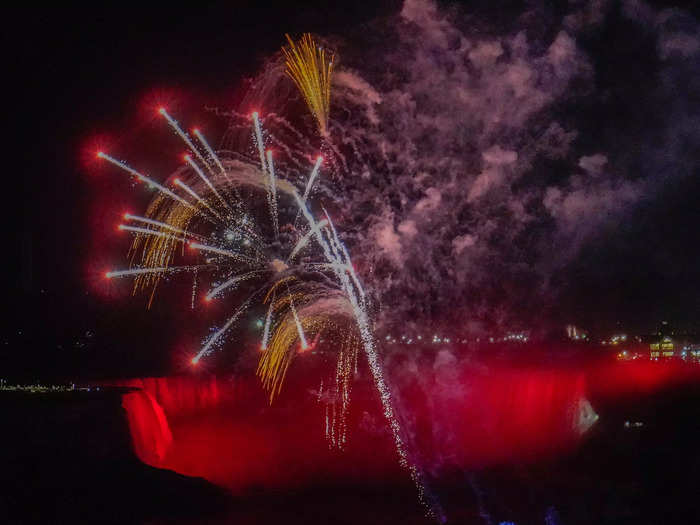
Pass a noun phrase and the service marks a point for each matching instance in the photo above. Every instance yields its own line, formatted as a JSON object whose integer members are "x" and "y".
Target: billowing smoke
{"x": 486, "y": 177}
{"x": 478, "y": 157}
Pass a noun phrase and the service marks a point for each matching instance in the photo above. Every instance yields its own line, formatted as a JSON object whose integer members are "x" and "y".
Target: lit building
{"x": 663, "y": 346}
{"x": 574, "y": 333}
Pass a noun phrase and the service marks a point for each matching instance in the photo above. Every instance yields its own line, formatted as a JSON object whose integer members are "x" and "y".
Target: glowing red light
{"x": 320, "y": 158}
{"x": 195, "y": 130}
{"x": 176, "y": 181}
{"x": 194, "y": 361}
{"x": 100, "y": 154}
{"x": 185, "y": 157}
{"x": 161, "y": 110}
{"x": 108, "y": 275}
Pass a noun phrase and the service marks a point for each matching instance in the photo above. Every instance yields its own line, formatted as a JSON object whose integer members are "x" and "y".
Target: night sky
{"x": 83, "y": 77}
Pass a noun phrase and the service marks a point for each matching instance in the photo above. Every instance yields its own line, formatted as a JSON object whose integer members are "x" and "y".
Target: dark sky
{"x": 78, "y": 74}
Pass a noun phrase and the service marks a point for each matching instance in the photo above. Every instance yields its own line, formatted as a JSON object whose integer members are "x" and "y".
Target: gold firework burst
{"x": 310, "y": 67}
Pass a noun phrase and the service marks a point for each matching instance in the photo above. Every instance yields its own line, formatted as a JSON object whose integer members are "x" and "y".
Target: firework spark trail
{"x": 346, "y": 255}
{"x": 272, "y": 193}
{"x": 142, "y": 271}
{"x": 312, "y": 177}
{"x": 335, "y": 252}
{"x": 145, "y": 179}
{"x": 300, "y": 330}
{"x": 314, "y": 227}
{"x": 206, "y": 180}
{"x": 259, "y": 141}
{"x": 433, "y": 508}
{"x": 295, "y": 155}
{"x": 340, "y": 266}
{"x": 136, "y": 271}
{"x": 268, "y": 320}
{"x": 362, "y": 320}
{"x": 363, "y": 324}
{"x": 266, "y": 168}
{"x": 305, "y": 239}
{"x": 206, "y": 348}
{"x": 154, "y": 233}
{"x": 194, "y": 290}
{"x": 310, "y": 183}
{"x": 159, "y": 224}
{"x": 231, "y": 282}
{"x": 185, "y": 138}
{"x": 211, "y": 153}
{"x": 323, "y": 265}
{"x": 195, "y": 195}
{"x": 227, "y": 253}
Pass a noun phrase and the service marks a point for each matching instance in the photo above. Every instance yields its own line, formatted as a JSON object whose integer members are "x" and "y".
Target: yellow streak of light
{"x": 310, "y": 67}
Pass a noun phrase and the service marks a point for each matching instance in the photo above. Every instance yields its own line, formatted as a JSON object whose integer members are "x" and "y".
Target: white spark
{"x": 145, "y": 179}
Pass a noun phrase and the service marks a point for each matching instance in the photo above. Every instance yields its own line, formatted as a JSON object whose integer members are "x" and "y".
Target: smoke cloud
{"x": 479, "y": 154}
{"x": 472, "y": 173}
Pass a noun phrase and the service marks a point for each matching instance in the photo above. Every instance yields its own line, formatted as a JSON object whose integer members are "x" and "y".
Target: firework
{"x": 310, "y": 67}
{"x": 320, "y": 293}
{"x": 312, "y": 177}
{"x": 202, "y": 213}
